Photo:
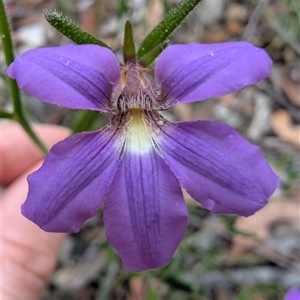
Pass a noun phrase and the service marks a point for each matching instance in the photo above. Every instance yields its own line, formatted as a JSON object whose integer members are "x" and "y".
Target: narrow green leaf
{"x": 70, "y": 29}
{"x": 165, "y": 28}
{"x": 150, "y": 56}
{"x": 129, "y": 48}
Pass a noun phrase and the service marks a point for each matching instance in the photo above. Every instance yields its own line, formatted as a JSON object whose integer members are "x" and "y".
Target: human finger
{"x": 29, "y": 253}
{"x": 18, "y": 152}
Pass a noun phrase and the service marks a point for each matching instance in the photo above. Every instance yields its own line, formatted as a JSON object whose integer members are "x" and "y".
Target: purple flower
{"x": 292, "y": 294}
{"x": 136, "y": 164}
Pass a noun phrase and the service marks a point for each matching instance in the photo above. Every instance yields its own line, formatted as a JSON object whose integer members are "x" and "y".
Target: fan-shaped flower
{"x": 137, "y": 164}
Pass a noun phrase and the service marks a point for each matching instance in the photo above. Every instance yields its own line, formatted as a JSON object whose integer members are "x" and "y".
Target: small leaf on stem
{"x": 166, "y": 27}
{"x": 150, "y": 56}
{"x": 70, "y": 29}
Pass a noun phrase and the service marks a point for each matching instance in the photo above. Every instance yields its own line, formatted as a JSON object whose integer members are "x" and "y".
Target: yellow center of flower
{"x": 138, "y": 135}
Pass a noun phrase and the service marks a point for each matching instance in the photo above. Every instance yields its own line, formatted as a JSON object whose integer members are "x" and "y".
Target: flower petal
{"x": 217, "y": 166}
{"x": 194, "y": 72}
{"x": 144, "y": 213}
{"x": 71, "y": 184}
{"x": 75, "y": 76}
{"x": 292, "y": 294}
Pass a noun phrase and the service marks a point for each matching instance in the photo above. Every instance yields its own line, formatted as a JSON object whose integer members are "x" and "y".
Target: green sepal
{"x": 166, "y": 27}
{"x": 150, "y": 56}
{"x": 69, "y": 29}
{"x": 129, "y": 48}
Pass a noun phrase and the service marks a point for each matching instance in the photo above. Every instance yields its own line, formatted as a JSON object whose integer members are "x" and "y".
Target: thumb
{"x": 28, "y": 253}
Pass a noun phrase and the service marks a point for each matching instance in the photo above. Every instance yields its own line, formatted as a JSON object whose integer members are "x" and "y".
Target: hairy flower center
{"x": 136, "y": 104}
{"x": 136, "y": 90}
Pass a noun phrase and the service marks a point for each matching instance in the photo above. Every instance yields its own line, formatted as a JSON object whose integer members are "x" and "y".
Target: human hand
{"x": 28, "y": 254}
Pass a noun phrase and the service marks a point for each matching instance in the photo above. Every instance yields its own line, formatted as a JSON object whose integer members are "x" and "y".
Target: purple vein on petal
{"x": 71, "y": 184}
{"x": 88, "y": 78}
{"x": 184, "y": 80}
{"x": 217, "y": 166}
{"x": 67, "y": 76}
{"x": 212, "y": 168}
{"x": 209, "y": 70}
{"x": 144, "y": 212}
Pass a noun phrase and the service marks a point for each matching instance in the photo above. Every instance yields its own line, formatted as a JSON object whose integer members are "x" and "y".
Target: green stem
{"x": 9, "y": 58}
{"x": 26, "y": 126}
{"x": 6, "y": 115}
